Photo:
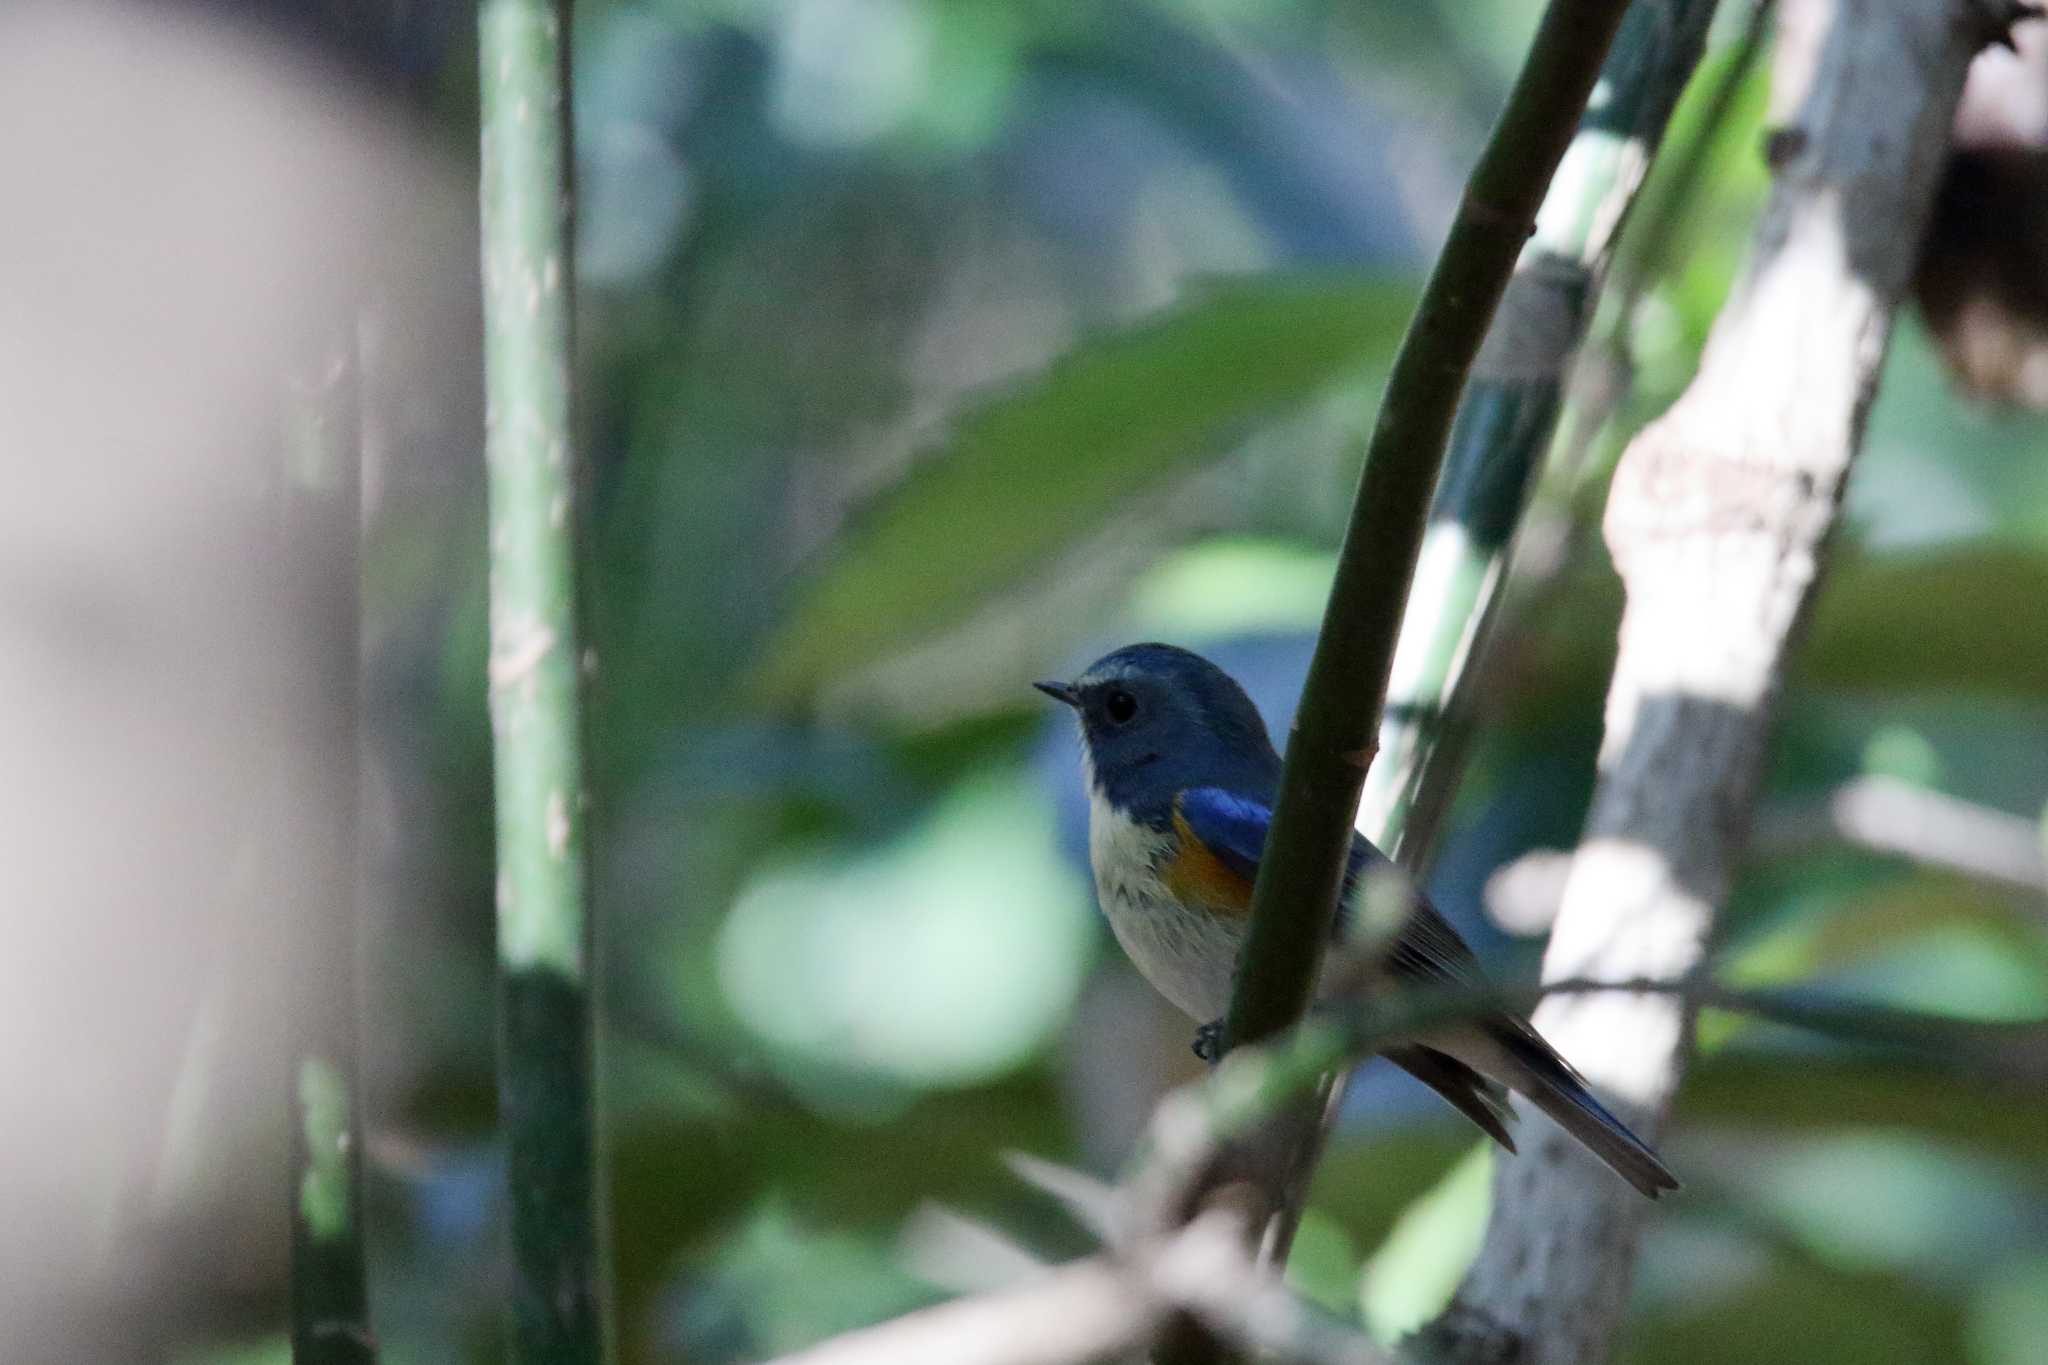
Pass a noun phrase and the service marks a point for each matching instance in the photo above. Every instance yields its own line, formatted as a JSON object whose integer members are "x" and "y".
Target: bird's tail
{"x": 1530, "y": 1066}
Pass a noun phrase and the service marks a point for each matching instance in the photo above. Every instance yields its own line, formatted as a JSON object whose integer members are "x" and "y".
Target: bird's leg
{"x": 1209, "y": 1041}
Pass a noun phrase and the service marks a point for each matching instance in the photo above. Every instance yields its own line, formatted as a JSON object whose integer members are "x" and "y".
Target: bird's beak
{"x": 1059, "y": 692}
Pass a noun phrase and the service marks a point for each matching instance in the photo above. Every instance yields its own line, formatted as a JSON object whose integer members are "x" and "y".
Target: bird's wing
{"x": 1231, "y": 829}
{"x": 1227, "y": 832}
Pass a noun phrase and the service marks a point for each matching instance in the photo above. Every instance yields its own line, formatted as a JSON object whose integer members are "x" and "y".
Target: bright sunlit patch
{"x": 944, "y": 957}
{"x": 1227, "y": 587}
{"x": 1572, "y": 213}
{"x": 1902, "y": 752}
{"x": 2009, "y": 1314}
{"x": 270, "y": 1351}
{"x": 1895, "y": 1200}
{"x": 1444, "y": 572}
{"x": 847, "y": 71}
{"x": 1410, "y": 1278}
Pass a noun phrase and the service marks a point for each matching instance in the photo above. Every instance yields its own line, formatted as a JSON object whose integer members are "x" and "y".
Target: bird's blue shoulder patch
{"x": 1234, "y": 828}
{"x": 1207, "y": 867}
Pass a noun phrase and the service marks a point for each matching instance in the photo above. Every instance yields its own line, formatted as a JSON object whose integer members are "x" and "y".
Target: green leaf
{"x": 1974, "y": 617}
{"x": 1808, "y": 1092}
{"x": 1797, "y": 1308}
{"x": 1032, "y": 469}
{"x": 1849, "y": 920}
{"x": 1969, "y": 619}
{"x": 1366, "y": 1182}
{"x": 1410, "y": 1279}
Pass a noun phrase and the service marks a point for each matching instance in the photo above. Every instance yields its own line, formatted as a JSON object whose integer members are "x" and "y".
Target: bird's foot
{"x": 1209, "y": 1041}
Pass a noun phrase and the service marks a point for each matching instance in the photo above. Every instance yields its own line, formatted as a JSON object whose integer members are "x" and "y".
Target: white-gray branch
{"x": 1718, "y": 518}
{"x": 1111, "y": 1307}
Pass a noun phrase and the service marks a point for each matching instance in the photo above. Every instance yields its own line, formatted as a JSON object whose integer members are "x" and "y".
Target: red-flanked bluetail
{"x": 1181, "y": 780}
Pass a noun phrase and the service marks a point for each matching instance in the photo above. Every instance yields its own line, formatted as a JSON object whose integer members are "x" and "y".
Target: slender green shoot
{"x": 1509, "y": 412}
{"x": 1333, "y": 740}
{"x": 546, "y": 1048}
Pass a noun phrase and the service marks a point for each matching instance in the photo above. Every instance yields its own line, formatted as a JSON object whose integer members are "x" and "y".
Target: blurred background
{"x": 828, "y": 249}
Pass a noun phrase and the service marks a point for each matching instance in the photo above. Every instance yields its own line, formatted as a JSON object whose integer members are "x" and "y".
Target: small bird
{"x": 1181, "y": 781}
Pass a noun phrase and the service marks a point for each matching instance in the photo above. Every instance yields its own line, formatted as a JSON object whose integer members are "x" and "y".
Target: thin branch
{"x": 1198, "y": 1131}
{"x": 1333, "y": 739}
{"x": 1207, "y": 1273}
{"x": 1089, "y": 1310}
{"x": 1880, "y": 815}
{"x": 1109, "y": 1307}
{"x": 1167, "y": 1260}
{"x": 1094, "y": 1205}
{"x": 545, "y": 1035}
{"x": 1338, "y": 718}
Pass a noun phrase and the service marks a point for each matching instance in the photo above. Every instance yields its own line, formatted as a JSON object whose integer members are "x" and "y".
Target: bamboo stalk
{"x": 546, "y": 1045}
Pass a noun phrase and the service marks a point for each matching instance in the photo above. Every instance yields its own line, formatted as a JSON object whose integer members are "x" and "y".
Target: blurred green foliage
{"x": 909, "y": 380}
{"x": 1029, "y": 473}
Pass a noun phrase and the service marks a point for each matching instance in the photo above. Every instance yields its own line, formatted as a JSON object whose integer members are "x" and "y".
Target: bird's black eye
{"x": 1120, "y": 706}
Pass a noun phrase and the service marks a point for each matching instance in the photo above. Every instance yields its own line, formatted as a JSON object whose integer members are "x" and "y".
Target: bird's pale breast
{"x": 1180, "y": 919}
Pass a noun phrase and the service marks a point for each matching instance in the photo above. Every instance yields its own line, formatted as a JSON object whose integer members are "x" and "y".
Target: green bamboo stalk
{"x": 330, "y": 1310}
{"x": 1333, "y": 740}
{"x": 546, "y": 1046}
{"x": 1509, "y": 413}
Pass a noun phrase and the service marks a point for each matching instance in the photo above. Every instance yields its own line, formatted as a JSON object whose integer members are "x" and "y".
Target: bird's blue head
{"x": 1156, "y": 720}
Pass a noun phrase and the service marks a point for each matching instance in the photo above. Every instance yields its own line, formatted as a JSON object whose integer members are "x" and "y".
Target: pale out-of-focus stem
{"x": 1505, "y": 421}
{"x": 330, "y": 1309}
{"x": 545, "y": 1091}
{"x": 1718, "y": 520}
